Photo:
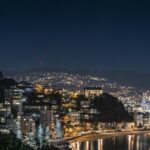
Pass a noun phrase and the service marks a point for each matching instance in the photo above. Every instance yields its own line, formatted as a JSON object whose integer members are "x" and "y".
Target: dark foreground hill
{"x": 111, "y": 109}
{"x": 1, "y": 75}
{"x": 10, "y": 142}
{"x": 5, "y": 83}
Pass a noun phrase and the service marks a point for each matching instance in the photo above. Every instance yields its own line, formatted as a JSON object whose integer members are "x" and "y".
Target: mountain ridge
{"x": 127, "y": 78}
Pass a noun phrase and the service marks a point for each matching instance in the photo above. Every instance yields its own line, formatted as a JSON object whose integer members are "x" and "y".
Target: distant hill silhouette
{"x": 129, "y": 78}
{"x": 5, "y": 83}
{"x": 1, "y": 75}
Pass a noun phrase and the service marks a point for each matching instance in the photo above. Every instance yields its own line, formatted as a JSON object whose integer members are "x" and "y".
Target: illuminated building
{"x": 93, "y": 91}
{"x": 39, "y": 88}
{"x": 5, "y": 110}
{"x": 128, "y": 108}
{"x": 27, "y": 126}
{"x": 48, "y": 89}
{"x": 45, "y": 116}
{"x": 146, "y": 107}
{"x": 146, "y": 120}
{"x": 85, "y": 104}
{"x": 137, "y": 108}
{"x": 14, "y": 96}
{"x": 138, "y": 119}
{"x": 74, "y": 117}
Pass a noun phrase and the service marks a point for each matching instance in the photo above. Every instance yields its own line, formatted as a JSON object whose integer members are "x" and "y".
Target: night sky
{"x": 75, "y": 34}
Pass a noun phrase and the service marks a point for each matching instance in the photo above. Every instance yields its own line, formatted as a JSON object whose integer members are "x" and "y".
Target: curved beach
{"x": 95, "y": 136}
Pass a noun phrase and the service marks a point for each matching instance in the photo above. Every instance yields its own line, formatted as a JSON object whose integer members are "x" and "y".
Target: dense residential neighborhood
{"x": 40, "y": 112}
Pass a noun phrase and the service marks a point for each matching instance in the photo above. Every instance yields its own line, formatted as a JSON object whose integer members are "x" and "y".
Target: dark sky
{"x": 110, "y": 35}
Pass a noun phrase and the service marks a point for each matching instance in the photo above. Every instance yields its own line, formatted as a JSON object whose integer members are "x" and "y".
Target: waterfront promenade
{"x": 95, "y": 136}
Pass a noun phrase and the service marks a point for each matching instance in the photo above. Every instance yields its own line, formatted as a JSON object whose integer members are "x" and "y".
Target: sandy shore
{"x": 92, "y": 137}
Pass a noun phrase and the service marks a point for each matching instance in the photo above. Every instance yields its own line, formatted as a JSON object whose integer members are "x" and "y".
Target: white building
{"x": 93, "y": 91}
{"x": 45, "y": 116}
{"x": 138, "y": 119}
{"x": 13, "y": 96}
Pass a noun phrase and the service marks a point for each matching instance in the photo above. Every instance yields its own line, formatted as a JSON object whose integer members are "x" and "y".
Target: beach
{"x": 94, "y": 136}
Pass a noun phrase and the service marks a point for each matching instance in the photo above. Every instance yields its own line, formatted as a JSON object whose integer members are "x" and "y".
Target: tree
{"x": 111, "y": 109}
{"x": 10, "y": 142}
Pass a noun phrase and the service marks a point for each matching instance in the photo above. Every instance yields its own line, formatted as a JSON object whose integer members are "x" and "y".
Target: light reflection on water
{"x": 129, "y": 142}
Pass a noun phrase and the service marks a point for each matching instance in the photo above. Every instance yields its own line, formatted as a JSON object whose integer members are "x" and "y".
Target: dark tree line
{"x": 10, "y": 142}
{"x": 111, "y": 109}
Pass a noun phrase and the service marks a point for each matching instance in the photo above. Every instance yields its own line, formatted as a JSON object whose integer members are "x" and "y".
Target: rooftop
{"x": 93, "y": 88}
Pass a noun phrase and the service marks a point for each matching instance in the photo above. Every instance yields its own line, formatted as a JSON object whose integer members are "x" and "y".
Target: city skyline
{"x": 74, "y": 75}
{"x": 75, "y": 35}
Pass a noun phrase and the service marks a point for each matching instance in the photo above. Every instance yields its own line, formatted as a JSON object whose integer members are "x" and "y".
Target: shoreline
{"x": 94, "y": 136}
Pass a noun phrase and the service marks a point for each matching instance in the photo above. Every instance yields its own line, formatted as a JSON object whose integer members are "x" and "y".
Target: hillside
{"x": 128, "y": 78}
{"x": 10, "y": 142}
{"x": 110, "y": 109}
